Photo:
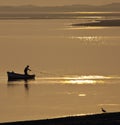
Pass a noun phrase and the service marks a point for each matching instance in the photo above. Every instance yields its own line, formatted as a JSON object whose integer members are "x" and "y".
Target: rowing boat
{"x": 16, "y": 76}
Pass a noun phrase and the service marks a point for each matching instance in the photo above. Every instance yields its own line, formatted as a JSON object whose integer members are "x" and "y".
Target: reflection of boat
{"x": 16, "y": 76}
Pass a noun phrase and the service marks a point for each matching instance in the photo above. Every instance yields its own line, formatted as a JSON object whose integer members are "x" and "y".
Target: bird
{"x": 103, "y": 110}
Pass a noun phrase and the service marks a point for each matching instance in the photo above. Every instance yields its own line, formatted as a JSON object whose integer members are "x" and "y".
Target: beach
{"x": 96, "y": 119}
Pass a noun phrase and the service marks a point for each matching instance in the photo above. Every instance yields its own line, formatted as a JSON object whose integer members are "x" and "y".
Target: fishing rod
{"x": 48, "y": 73}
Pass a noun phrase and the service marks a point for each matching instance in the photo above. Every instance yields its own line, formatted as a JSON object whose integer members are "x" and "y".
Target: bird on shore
{"x": 103, "y": 110}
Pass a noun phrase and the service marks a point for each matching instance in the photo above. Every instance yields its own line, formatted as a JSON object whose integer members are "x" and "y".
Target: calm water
{"x": 77, "y": 68}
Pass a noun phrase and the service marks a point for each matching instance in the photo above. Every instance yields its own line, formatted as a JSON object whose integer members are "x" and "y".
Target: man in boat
{"x": 26, "y": 70}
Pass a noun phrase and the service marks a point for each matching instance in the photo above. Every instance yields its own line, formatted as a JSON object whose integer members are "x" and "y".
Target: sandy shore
{"x": 101, "y": 23}
{"x": 96, "y": 119}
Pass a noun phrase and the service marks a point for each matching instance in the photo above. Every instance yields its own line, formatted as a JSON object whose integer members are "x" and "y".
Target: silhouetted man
{"x": 26, "y": 70}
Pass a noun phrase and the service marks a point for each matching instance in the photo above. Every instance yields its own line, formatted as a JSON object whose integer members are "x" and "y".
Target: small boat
{"x": 16, "y": 76}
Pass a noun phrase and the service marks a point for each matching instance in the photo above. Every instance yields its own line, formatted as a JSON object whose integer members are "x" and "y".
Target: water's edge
{"x": 95, "y": 119}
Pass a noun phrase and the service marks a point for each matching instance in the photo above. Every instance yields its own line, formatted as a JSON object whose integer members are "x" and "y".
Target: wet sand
{"x": 101, "y": 23}
{"x": 95, "y": 119}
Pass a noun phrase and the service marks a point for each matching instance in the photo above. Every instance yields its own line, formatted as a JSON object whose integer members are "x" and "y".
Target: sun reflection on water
{"x": 86, "y": 79}
{"x": 78, "y": 81}
{"x": 88, "y": 38}
{"x": 85, "y": 27}
{"x": 82, "y": 95}
{"x": 92, "y": 40}
{"x": 75, "y": 80}
{"x": 97, "y": 40}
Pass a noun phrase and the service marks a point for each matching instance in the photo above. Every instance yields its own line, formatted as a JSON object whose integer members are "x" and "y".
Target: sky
{"x": 55, "y": 2}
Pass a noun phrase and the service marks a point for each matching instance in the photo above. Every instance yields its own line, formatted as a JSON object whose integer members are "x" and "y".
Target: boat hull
{"x": 16, "y": 76}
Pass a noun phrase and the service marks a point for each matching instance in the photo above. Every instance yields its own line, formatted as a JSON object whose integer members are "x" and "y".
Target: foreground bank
{"x": 96, "y": 119}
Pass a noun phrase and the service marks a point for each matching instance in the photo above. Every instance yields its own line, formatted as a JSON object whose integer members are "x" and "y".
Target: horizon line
{"x": 30, "y": 5}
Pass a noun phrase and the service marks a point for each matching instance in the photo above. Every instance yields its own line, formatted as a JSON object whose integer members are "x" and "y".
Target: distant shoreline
{"x": 75, "y": 7}
{"x": 112, "y": 118}
{"x": 100, "y": 23}
{"x": 66, "y": 15}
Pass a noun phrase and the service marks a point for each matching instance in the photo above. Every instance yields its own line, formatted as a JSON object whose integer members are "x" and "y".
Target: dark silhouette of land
{"x": 101, "y": 23}
{"x": 97, "y": 119}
